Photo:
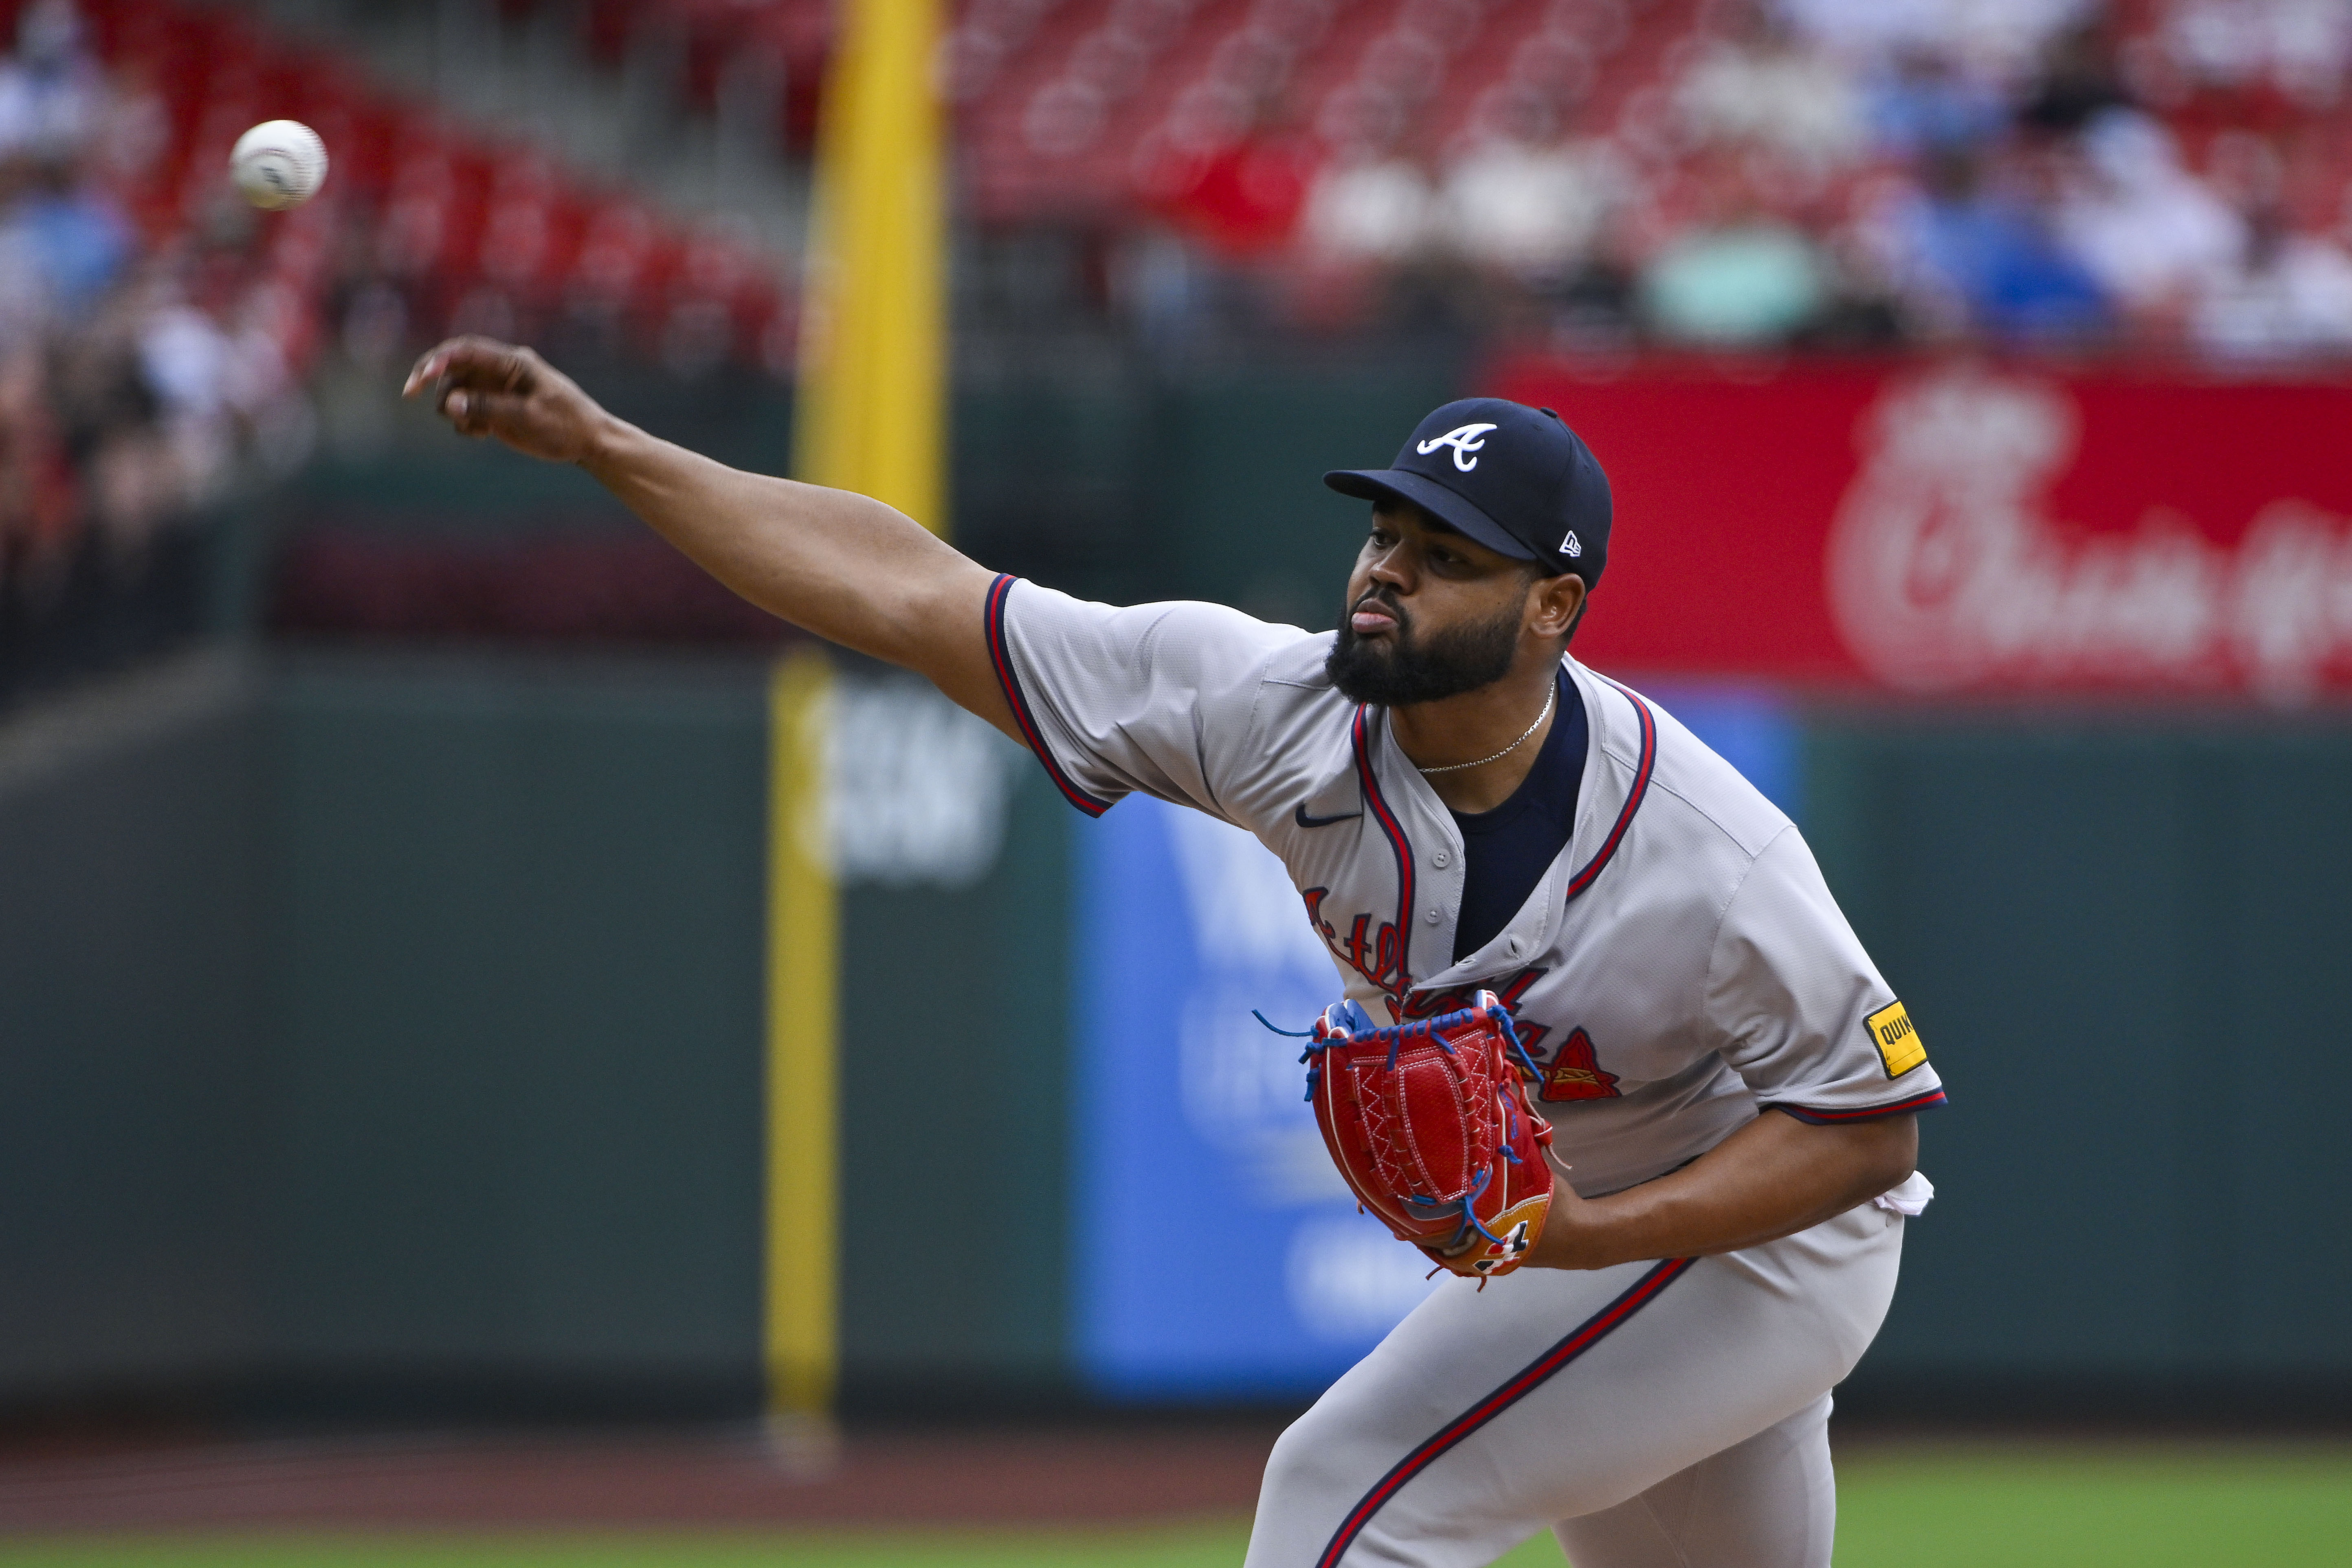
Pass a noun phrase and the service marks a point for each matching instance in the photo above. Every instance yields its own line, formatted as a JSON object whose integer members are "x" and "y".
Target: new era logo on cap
{"x": 1515, "y": 479}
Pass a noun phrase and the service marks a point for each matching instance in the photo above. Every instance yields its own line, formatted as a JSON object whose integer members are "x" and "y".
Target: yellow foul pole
{"x": 803, "y": 1092}
{"x": 871, "y": 414}
{"x": 870, "y": 418}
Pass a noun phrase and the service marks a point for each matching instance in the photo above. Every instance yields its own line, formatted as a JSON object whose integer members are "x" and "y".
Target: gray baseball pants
{"x": 1652, "y": 1415}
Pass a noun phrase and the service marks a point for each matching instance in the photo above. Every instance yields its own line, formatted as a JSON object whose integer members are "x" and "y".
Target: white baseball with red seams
{"x": 1680, "y": 967}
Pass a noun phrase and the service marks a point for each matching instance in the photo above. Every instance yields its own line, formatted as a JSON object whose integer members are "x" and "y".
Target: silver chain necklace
{"x": 1549, "y": 698}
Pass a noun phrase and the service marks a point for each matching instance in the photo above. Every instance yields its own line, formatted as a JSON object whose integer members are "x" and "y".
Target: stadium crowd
{"x": 133, "y": 373}
{"x": 2169, "y": 176}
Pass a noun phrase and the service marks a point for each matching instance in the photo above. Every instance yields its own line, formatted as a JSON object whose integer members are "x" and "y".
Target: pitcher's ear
{"x": 1560, "y": 604}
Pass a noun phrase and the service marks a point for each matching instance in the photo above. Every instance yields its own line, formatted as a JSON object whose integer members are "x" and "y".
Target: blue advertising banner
{"x": 1266, "y": 1281}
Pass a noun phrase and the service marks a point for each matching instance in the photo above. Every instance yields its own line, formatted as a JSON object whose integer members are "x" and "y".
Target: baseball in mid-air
{"x": 279, "y": 163}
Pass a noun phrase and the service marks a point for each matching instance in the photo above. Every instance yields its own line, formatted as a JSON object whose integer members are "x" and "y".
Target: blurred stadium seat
{"x": 2159, "y": 180}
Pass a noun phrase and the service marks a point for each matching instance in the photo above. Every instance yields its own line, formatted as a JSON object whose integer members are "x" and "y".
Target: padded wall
{"x": 134, "y": 1106}
{"x": 2123, "y": 941}
{"x": 515, "y": 963}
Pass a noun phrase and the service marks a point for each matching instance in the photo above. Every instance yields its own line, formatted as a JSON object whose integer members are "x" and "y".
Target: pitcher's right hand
{"x": 484, "y": 387}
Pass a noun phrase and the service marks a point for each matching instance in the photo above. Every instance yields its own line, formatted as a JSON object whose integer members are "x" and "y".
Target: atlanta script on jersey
{"x": 1680, "y": 966}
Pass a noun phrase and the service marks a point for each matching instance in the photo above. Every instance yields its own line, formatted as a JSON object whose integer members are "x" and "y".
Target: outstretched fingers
{"x": 483, "y": 388}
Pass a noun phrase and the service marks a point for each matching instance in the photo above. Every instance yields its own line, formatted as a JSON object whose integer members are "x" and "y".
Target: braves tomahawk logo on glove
{"x": 1429, "y": 1124}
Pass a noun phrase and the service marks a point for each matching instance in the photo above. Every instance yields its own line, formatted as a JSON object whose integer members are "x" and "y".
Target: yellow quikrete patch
{"x": 1898, "y": 1043}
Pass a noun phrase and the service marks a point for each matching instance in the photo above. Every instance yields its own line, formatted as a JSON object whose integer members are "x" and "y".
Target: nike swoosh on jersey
{"x": 1298, "y": 814}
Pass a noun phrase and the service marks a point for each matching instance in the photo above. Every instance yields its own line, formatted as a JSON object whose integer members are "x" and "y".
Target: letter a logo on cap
{"x": 1467, "y": 439}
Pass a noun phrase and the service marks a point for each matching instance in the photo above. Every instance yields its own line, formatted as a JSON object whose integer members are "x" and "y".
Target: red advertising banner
{"x": 1966, "y": 527}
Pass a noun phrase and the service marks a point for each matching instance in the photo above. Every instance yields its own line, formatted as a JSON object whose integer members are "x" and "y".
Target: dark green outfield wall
{"x": 132, "y": 1067}
{"x": 955, "y": 1108}
{"x": 385, "y": 1035}
{"x": 516, "y": 1013}
{"x": 2126, "y": 946}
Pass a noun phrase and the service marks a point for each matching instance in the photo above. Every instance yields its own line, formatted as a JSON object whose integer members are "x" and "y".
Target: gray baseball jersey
{"x": 1680, "y": 967}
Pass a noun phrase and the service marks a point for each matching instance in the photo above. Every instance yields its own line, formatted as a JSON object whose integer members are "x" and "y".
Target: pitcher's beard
{"x": 1409, "y": 670}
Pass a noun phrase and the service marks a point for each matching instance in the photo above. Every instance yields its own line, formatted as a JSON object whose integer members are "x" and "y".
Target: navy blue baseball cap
{"x": 1515, "y": 479}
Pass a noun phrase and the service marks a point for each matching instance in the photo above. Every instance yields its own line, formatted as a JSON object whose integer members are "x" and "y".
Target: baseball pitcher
{"x": 1606, "y": 1048}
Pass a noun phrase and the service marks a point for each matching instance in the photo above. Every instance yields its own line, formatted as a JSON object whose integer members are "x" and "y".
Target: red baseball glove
{"x": 1429, "y": 1124}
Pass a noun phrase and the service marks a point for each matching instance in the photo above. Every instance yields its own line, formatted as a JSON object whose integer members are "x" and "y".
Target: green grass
{"x": 1937, "y": 1506}
{"x": 2127, "y": 1505}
